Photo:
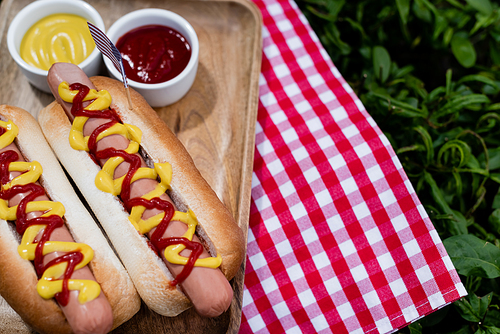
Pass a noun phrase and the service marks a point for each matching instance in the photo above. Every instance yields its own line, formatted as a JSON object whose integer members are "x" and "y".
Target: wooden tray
{"x": 215, "y": 121}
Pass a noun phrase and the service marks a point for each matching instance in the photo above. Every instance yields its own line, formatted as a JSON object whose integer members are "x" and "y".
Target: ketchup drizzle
{"x": 51, "y": 223}
{"x": 134, "y": 162}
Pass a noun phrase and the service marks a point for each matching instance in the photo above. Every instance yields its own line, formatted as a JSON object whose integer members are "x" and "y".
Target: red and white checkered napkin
{"x": 338, "y": 240}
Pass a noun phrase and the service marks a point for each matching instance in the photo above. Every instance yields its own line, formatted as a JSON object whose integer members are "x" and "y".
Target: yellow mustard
{"x": 50, "y": 283}
{"x": 57, "y": 38}
{"x": 105, "y": 182}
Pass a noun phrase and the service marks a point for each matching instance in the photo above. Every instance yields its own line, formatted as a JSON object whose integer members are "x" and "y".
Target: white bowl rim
{"x": 33, "y": 7}
{"x": 164, "y": 13}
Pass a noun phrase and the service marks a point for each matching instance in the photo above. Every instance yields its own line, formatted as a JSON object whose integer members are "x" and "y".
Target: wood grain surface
{"x": 215, "y": 121}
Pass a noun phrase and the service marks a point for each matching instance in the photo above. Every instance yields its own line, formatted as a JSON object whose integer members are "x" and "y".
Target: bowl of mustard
{"x": 49, "y": 31}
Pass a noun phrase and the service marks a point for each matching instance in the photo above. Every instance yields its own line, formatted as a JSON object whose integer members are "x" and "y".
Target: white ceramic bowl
{"x": 171, "y": 91}
{"x": 34, "y": 12}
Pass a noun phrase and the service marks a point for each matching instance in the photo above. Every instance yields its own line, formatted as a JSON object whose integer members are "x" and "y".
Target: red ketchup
{"x": 51, "y": 222}
{"x": 153, "y": 53}
{"x": 157, "y": 240}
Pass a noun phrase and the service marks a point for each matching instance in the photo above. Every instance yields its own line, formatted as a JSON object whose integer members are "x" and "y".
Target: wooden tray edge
{"x": 245, "y": 199}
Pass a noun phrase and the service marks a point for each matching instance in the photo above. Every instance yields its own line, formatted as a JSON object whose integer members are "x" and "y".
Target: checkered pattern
{"x": 338, "y": 240}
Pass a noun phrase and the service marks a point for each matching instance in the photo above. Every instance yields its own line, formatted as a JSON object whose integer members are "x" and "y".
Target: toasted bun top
{"x": 18, "y": 279}
{"x": 217, "y": 226}
{"x": 17, "y": 276}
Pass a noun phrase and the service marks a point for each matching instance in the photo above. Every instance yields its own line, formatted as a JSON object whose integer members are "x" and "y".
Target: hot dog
{"x": 115, "y": 300}
{"x": 190, "y": 196}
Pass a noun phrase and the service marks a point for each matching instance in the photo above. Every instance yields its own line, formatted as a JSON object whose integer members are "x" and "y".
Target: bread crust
{"x": 18, "y": 275}
{"x": 187, "y": 184}
{"x": 217, "y": 227}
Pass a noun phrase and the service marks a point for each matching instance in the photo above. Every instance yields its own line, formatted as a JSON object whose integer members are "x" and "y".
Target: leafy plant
{"x": 428, "y": 72}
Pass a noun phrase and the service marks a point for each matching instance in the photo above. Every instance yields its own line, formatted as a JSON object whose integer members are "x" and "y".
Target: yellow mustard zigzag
{"x": 50, "y": 282}
{"x": 105, "y": 182}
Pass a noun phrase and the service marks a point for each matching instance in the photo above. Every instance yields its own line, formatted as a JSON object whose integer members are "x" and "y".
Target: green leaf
{"x": 491, "y": 330}
{"x": 412, "y": 101}
{"x": 403, "y": 9}
{"x": 496, "y": 204}
{"x": 465, "y": 329}
{"x": 457, "y": 223}
{"x": 494, "y": 52}
{"x": 333, "y": 35}
{"x": 458, "y": 183}
{"x": 491, "y": 119}
{"x": 403, "y": 71}
{"x": 422, "y": 11}
{"x": 463, "y": 50}
{"x": 455, "y": 3}
{"x": 449, "y": 74}
{"x": 494, "y": 220}
{"x": 355, "y": 25}
{"x": 452, "y": 150}
{"x": 483, "y": 6}
{"x": 366, "y": 52}
{"x": 416, "y": 85}
{"x": 473, "y": 256}
{"x": 448, "y": 34}
{"x": 478, "y": 78}
{"x": 445, "y": 136}
{"x": 435, "y": 317}
{"x": 495, "y": 177}
{"x": 440, "y": 25}
{"x": 473, "y": 162}
{"x": 473, "y": 308}
{"x": 326, "y": 17}
{"x": 385, "y": 12}
{"x": 492, "y": 318}
{"x": 494, "y": 106}
{"x": 494, "y": 158}
{"x": 381, "y": 63}
{"x": 401, "y": 108}
{"x": 480, "y": 193}
{"x": 334, "y": 7}
{"x": 435, "y": 93}
{"x": 426, "y": 137}
{"x": 463, "y": 21}
{"x": 410, "y": 148}
{"x": 482, "y": 21}
{"x": 460, "y": 102}
{"x": 415, "y": 328}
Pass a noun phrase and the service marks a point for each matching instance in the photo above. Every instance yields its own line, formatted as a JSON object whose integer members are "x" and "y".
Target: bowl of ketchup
{"x": 159, "y": 50}
{"x": 49, "y": 31}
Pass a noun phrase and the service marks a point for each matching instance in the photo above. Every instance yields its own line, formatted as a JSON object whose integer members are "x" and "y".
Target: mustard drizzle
{"x": 105, "y": 182}
{"x": 50, "y": 283}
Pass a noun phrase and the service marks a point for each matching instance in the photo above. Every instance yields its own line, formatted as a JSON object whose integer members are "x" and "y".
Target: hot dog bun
{"x": 217, "y": 228}
{"x": 17, "y": 276}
